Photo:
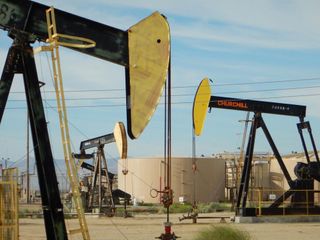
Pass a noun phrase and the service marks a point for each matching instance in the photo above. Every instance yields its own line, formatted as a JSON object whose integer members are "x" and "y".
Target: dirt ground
{"x": 147, "y": 227}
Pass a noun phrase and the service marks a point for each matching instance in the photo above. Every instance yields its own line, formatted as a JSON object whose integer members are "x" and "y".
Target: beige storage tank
{"x": 145, "y": 174}
{"x": 277, "y": 178}
{"x": 260, "y": 177}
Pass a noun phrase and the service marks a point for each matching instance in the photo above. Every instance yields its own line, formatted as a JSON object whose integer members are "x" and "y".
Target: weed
{"x": 223, "y": 233}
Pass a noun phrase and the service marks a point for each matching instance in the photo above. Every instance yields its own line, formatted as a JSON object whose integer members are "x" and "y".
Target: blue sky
{"x": 231, "y": 42}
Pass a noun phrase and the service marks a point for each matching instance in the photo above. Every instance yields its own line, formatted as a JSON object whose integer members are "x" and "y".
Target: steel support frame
{"x": 20, "y": 59}
{"x": 100, "y": 171}
{"x": 306, "y": 125}
{"x": 302, "y": 125}
{"x": 245, "y": 178}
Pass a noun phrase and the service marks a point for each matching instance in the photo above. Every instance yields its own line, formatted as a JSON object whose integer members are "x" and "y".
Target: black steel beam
{"x": 97, "y": 141}
{"x": 29, "y": 17}
{"x": 91, "y": 168}
{"x": 301, "y": 126}
{"x": 275, "y": 151}
{"x": 306, "y": 125}
{"x": 257, "y": 106}
{"x": 281, "y": 199}
{"x": 6, "y": 78}
{"x": 51, "y": 202}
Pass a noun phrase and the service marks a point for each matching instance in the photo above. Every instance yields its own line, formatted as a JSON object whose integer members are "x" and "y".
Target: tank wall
{"x": 278, "y": 181}
{"x": 147, "y": 173}
{"x": 143, "y": 175}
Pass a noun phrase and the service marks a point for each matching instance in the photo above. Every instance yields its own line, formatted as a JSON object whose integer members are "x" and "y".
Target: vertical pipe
{"x": 100, "y": 180}
{"x": 28, "y": 161}
{"x": 194, "y": 166}
{"x": 169, "y": 136}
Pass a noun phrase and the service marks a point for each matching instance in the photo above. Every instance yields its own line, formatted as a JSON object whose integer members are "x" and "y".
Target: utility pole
{"x": 244, "y": 136}
{"x": 28, "y": 161}
{"x": 241, "y": 154}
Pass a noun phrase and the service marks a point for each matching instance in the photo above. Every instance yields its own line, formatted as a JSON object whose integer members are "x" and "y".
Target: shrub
{"x": 223, "y": 233}
{"x": 213, "y": 207}
{"x": 180, "y": 208}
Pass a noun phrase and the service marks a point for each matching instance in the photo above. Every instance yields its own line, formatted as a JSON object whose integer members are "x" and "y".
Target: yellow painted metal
{"x": 9, "y": 207}
{"x": 120, "y": 137}
{"x": 200, "y": 106}
{"x": 63, "y": 119}
{"x": 259, "y": 199}
{"x": 149, "y": 53}
{"x": 54, "y": 36}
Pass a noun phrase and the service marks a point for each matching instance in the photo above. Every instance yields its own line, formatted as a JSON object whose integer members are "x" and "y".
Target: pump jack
{"x": 143, "y": 50}
{"x": 102, "y": 191}
{"x": 301, "y": 189}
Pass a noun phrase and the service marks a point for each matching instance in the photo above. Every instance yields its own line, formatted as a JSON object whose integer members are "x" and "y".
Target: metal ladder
{"x": 53, "y": 40}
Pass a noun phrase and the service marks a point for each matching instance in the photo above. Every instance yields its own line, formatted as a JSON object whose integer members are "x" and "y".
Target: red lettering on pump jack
{"x": 235, "y": 104}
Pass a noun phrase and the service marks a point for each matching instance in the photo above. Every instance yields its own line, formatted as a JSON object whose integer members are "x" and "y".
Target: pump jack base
{"x": 167, "y": 236}
{"x": 277, "y": 219}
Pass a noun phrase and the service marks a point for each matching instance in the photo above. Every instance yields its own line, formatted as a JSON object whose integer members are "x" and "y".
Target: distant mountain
{"x": 60, "y": 168}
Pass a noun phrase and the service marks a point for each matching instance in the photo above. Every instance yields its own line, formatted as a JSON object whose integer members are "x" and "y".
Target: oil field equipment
{"x": 97, "y": 190}
{"x": 199, "y": 112}
{"x": 9, "y": 219}
{"x": 301, "y": 192}
{"x": 143, "y": 50}
{"x": 55, "y": 42}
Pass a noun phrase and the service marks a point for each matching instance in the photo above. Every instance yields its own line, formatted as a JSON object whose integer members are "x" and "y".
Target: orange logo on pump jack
{"x": 235, "y": 104}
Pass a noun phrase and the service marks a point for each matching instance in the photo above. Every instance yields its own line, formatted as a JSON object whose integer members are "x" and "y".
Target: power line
{"x": 174, "y": 103}
{"x": 74, "y": 99}
{"x": 190, "y": 86}
{"x": 179, "y": 95}
{"x": 270, "y": 81}
{"x": 271, "y": 89}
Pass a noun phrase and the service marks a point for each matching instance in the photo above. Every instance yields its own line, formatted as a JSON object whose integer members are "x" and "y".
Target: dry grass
{"x": 223, "y": 233}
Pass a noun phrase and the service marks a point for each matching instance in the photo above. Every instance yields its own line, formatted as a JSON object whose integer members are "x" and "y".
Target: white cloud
{"x": 238, "y": 25}
{"x": 263, "y": 14}
{"x": 249, "y": 37}
{"x": 264, "y": 23}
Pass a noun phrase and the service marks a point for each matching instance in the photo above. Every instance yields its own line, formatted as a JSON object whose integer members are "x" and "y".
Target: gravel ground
{"x": 147, "y": 227}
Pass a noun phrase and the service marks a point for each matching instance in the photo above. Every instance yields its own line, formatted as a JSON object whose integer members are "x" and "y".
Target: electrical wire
{"x": 271, "y": 89}
{"x": 173, "y": 103}
{"x": 21, "y": 158}
{"x": 181, "y": 95}
{"x": 191, "y": 86}
{"x": 270, "y": 81}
